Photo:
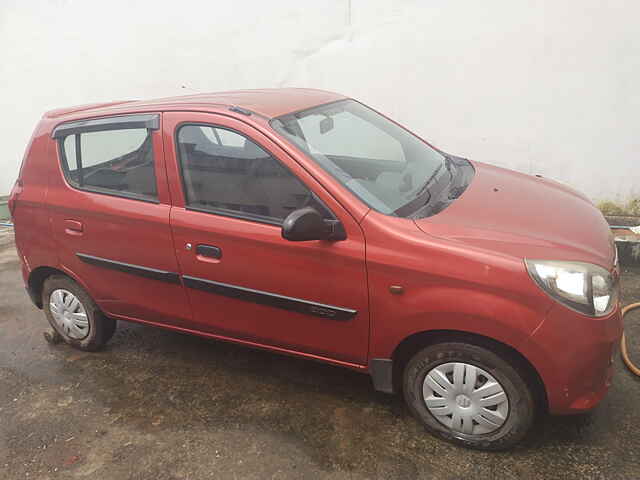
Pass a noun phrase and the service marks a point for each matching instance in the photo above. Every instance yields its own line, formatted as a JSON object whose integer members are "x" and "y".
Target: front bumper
{"x": 574, "y": 356}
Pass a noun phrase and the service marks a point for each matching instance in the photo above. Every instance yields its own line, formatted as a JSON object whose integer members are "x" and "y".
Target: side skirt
{"x": 261, "y": 346}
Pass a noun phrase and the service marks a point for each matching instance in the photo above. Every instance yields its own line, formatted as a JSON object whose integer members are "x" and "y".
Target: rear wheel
{"x": 469, "y": 395}
{"x": 74, "y": 315}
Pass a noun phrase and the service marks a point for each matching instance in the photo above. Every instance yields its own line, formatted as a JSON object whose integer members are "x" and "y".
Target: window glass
{"x": 102, "y": 147}
{"x": 227, "y": 173}
{"x": 350, "y": 136}
{"x": 70, "y": 152}
{"x": 114, "y": 161}
{"x": 211, "y": 134}
{"x": 387, "y": 167}
{"x": 229, "y": 138}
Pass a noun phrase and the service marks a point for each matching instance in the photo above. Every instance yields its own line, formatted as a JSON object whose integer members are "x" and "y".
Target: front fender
{"x": 507, "y": 320}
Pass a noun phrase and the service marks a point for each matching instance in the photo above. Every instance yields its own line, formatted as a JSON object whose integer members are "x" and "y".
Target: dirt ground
{"x": 162, "y": 405}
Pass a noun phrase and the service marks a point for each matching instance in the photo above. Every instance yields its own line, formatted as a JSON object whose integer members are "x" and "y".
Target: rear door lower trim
{"x": 141, "y": 271}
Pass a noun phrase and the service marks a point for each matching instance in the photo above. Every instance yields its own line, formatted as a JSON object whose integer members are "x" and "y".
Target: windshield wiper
{"x": 450, "y": 165}
{"x": 418, "y": 201}
{"x": 425, "y": 187}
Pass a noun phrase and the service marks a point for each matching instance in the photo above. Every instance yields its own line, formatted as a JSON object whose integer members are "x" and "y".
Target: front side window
{"x": 226, "y": 173}
{"x": 118, "y": 162}
{"x": 383, "y": 164}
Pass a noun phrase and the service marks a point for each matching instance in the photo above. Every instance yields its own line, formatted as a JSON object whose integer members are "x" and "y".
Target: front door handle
{"x": 209, "y": 251}
{"x": 73, "y": 227}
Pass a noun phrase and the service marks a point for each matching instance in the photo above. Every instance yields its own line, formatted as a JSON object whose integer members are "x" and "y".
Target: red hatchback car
{"x": 306, "y": 223}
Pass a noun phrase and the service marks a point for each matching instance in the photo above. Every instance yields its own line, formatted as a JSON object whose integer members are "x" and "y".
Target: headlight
{"x": 583, "y": 287}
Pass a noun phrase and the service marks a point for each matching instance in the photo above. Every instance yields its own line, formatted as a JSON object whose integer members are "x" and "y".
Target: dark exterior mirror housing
{"x": 307, "y": 224}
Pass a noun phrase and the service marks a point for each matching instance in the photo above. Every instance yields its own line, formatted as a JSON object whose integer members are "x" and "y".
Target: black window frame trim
{"x": 229, "y": 213}
{"x": 150, "y": 122}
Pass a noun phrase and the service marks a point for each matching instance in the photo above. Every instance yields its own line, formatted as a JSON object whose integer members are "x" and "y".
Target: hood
{"x": 525, "y": 216}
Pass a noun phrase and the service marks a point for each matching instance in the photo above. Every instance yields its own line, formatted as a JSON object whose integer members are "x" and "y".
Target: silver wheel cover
{"x": 69, "y": 314}
{"x": 465, "y": 398}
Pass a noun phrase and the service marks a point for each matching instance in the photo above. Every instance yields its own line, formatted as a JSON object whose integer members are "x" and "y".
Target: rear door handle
{"x": 73, "y": 227}
{"x": 209, "y": 252}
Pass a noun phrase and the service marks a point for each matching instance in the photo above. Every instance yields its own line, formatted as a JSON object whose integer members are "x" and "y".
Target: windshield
{"x": 387, "y": 167}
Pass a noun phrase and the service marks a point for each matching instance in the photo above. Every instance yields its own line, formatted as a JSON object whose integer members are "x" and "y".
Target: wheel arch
{"x": 415, "y": 342}
{"x": 39, "y": 275}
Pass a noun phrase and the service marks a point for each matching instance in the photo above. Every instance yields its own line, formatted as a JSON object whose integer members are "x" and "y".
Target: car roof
{"x": 269, "y": 102}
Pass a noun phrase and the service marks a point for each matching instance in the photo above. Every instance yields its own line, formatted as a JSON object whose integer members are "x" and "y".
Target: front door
{"x": 232, "y": 187}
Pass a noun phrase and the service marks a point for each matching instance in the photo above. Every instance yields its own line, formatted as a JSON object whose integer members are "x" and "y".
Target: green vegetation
{"x": 631, "y": 209}
{"x": 610, "y": 208}
{"x": 4, "y": 209}
{"x": 634, "y": 207}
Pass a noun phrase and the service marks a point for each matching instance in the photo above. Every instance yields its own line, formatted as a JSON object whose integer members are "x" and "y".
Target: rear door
{"x": 110, "y": 207}
{"x": 232, "y": 187}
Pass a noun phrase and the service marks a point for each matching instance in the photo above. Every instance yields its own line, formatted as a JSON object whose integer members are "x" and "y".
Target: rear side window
{"x": 117, "y": 162}
{"x": 226, "y": 173}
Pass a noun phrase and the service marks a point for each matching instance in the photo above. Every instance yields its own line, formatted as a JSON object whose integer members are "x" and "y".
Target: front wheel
{"x": 468, "y": 395}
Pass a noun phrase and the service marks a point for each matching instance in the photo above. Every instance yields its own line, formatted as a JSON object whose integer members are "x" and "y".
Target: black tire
{"x": 519, "y": 394}
{"x": 101, "y": 327}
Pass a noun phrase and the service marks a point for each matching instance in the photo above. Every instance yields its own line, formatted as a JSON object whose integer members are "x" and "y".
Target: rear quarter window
{"x": 115, "y": 162}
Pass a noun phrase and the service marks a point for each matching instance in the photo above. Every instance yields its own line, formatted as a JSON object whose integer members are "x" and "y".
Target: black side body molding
{"x": 247, "y": 294}
{"x": 381, "y": 371}
{"x": 270, "y": 299}
{"x": 146, "y": 272}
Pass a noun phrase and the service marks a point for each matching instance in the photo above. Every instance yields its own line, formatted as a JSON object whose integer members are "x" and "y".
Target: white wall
{"x": 549, "y": 87}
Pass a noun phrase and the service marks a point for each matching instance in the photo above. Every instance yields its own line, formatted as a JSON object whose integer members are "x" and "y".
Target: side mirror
{"x": 307, "y": 224}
